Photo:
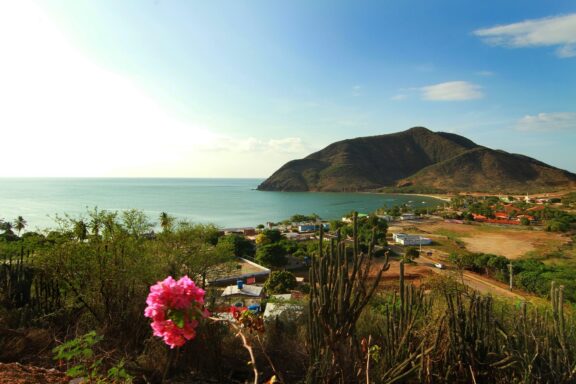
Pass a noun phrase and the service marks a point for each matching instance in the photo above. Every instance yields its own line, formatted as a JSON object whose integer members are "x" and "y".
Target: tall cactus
{"x": 402, "y": 345}
{"x": 340, "y": 289}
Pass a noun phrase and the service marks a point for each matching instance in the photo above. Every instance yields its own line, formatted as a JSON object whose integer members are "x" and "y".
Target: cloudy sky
{"x": 236, "y": 88}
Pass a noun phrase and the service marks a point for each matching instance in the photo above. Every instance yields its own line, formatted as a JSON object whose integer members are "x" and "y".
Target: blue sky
{"x": 237, "y": 88}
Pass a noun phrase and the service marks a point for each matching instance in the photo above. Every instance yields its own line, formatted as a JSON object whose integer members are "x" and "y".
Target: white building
{"x": 243, "y": 293}
{"x": 405, "y": 239}
{"x": 388, "y": 218}
{"x": 408, "y": 216}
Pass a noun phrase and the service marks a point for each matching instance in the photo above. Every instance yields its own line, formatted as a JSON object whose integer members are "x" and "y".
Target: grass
{"x": 451, "y": 234}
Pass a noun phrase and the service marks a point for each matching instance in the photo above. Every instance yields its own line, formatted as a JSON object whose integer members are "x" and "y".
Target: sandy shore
{"x": 446, "y": 198}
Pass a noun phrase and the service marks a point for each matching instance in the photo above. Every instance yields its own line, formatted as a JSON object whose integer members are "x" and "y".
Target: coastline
{"x": 444, "y": 197}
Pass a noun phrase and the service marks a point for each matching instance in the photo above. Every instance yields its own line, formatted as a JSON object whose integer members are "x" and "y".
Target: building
{"x": 349, "y": 219}
{"x": 408, "y": 216}
{"x": 405, "y": 239}
{"x": 246, "y": 231}
{"x": 388, "y": 218}
{"x": 312, "y": 227}
{"x": 242, "y": 269}
{"x": 244, "y": 294}
{"x": 283, "y": 307}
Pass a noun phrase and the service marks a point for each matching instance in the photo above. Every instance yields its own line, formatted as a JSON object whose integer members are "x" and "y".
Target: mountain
{"x": 416, "y": 160}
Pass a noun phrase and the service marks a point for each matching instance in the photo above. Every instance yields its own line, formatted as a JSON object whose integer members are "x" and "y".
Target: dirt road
{"x": 472, "y": 280}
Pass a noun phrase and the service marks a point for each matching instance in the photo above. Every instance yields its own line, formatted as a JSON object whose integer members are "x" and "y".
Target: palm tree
{"x": 80, "y": 230}
{"x": 166, "y": 222}
{"x": 6, "y": 226}
{"x": 20, "y": 224}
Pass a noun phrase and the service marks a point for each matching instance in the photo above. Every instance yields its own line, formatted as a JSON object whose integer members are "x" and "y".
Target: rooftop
{"x": 247, "y": 290}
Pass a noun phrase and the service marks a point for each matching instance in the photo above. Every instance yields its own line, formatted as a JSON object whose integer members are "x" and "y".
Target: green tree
{"x": 166, "y": 222}
{"x": 272, "y": 235}
{"x": 110, "y": 224}
{"x": 80, "y": 230}
{"x": 280, "y": 282}
{"x": 240, "y": 245}
{"x": 558, "y": 225}
{"x": 298, "y": 218}
{"x": 192, "y": 250}
{"x": 20, "y": 224}
{"x": 6, "y": 226}
{"x": 412, "y": 253}
{"x": 271, "y": 255}
{"x": 136, "y": 222}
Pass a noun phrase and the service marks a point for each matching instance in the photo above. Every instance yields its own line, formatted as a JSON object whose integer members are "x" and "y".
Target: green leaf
{"x": 75, "y": 371}
{"x": 178, "y": 318}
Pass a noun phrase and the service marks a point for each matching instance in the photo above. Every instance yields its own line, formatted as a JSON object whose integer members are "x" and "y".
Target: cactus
{"x": 26, "y": 289}
{"x": 339, "y": 292}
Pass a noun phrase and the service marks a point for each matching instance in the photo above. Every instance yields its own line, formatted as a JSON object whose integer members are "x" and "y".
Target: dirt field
{"x": 509, "y": 242}
{"x": 415, "y": 274}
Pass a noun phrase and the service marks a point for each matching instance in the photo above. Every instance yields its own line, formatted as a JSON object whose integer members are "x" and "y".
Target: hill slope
{"x": 416, "y": 160}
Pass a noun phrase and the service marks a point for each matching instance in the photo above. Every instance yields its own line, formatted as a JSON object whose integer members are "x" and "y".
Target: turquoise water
{"x": 224, "y": 202}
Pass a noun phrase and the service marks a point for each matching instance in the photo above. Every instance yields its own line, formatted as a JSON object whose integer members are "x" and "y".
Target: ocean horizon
{"x": 225, "y": 202}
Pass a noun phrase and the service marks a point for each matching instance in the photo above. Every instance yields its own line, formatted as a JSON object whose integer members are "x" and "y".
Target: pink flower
{"x": 175, "y": 307}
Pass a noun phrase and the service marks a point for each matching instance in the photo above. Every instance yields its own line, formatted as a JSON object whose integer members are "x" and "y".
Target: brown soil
{"x": 16, "y": 373}
{"x": 510, "y": 242}
{"x": 415, "y": 274}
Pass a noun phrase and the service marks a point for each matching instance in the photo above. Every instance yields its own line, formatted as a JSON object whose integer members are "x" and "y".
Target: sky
{"x": 168, "y": 88}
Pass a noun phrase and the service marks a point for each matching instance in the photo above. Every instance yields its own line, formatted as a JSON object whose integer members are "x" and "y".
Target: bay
{"x": 224, "y": 202}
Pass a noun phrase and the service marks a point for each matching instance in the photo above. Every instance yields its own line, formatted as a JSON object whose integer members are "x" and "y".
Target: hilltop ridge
{"x": 416, "y": 160}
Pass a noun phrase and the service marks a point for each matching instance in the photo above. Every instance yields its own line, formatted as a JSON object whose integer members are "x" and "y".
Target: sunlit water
{"x": 224, "y": 202}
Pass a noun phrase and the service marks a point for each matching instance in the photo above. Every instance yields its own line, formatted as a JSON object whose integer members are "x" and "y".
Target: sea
{"x": 227, "y": 203}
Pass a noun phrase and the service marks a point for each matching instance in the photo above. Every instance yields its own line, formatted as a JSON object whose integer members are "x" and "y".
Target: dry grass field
{"x": 511, "y": 242}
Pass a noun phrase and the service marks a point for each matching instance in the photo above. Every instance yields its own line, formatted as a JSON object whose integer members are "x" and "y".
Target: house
{"x": 405, "y": 239}
{"x": 283, "y": 307}
{"x": 349, "y": 219}
{"x": 510, "y": 209}
{"x": 312, "y": 227}
{"x": 246, "y": 231}
{"x": 243, "y": 294}
{"x": 408, "y": 216}
{"x": 529, "y": 217}
{"x": 388, "y": 218}
{"x": 242, "y": 269}
{"x": 536, "y": 208}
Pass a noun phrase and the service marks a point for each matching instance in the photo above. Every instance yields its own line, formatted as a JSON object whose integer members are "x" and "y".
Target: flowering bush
{"x": 247, "y": 319}
{"x": 175, "y": 308}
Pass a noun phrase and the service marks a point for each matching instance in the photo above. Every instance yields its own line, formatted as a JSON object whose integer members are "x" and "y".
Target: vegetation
{"x": 241, "y": 246}
{"x": 271, "y": 255}
{"x": 280, "y": 282}
{"x": 416, "y": 161}
{"x": 339, "y": 291}
{"x": 298, "y": 218}
{"x": 72, "y": 282}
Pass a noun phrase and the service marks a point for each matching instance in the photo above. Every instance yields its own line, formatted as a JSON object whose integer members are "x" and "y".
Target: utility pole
{"x": 420, "y": 241}
{"x": 510, "y": 273}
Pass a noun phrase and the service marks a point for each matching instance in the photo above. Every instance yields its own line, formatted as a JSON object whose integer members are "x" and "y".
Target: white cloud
{"x": 452, "y": 91}
{"x": 554, "y": 121}
{"x": 485, "y": 73}
{"x": 566, "y": 51}
{"x": 399, "y": 97}
{"x": 287, "y": 145}
{"x": 63, "y": 115}
{"x": 558, "y": 31}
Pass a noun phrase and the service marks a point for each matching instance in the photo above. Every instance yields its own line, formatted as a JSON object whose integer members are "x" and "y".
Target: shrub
{"x": 280, "y": 282}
